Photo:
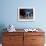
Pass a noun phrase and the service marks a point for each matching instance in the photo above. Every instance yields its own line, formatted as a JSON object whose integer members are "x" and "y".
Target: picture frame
{"x": 26, "y": 14}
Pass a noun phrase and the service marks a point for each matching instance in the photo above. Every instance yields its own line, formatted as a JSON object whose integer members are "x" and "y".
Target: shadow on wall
{"x": 2, "y": 27}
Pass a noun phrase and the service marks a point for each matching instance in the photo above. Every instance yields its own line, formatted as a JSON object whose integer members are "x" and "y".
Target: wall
{"x": 9, "y": 13}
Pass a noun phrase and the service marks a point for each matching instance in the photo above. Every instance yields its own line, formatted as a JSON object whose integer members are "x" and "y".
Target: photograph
{"x": 26, "y": 14}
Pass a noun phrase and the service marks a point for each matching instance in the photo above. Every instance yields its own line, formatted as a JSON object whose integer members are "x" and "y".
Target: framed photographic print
{"x": 26, "y": 14}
